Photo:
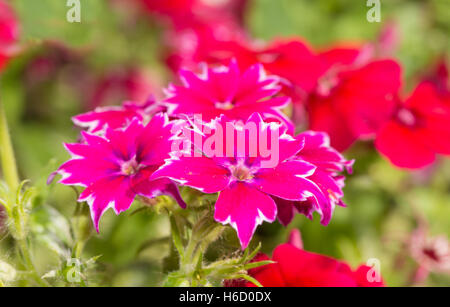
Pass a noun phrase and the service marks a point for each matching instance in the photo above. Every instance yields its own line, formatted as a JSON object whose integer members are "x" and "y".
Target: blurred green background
{"x": 384, "y": 203}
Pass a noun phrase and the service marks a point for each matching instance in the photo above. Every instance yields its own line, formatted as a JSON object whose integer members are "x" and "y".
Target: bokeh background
{"x": 114, "y": 54}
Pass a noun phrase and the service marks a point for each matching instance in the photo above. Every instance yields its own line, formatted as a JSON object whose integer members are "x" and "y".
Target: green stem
{"x": 8, "y": 160}
{"x": 18, "y": 213}
{"x": 26, "y": 255}
{"x": 188, "y": 255}
{"x": 78, "y": 249}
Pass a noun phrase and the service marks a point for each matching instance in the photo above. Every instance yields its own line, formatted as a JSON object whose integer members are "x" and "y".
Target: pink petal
{"x": 287, "y": 209}
{"x": 244, "y": 208}
{"x": 317, "y": 150}
{"x": 201, "y": 173}
{"x": 86, "y": 167}
{"x": 156, "y": 139}
{"x": 288, "y": 146}
{"x": 109, "y": 192}
{"x": 112, "y": 117}
{"x": 288, "y": 180}
{"x": 142, "y": 185}
{"x": 123, "y": 142}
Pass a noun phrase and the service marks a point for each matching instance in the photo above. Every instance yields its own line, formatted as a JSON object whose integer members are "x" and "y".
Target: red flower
{"x": 117, "y": 85}
{"x": 354, "y": 96}
{"x": 296, "y": 267}
{"x": 174, "y": 9}
{"x": 192, "y": 23}
{"x": 418, "y": 130}
{"x": 183, "y": 13}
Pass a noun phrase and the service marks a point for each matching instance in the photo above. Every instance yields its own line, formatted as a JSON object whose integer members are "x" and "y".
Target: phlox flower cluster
{"x": 219, "y": 131}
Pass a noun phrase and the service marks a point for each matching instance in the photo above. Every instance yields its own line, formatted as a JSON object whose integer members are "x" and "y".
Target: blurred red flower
{"x": 418, "y": 131}
{"x": 122, "y": 83}
{"x": 295, "y": 267}
{"x": 9, "y": 33}
{"x": 354, "y": 96}
{"x": 183, "y": 14}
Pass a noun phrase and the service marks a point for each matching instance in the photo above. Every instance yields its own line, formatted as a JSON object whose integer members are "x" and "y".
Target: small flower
{"x": 227, "y": 91}
{"x": 431, "y": 253}
{"x": 417, "y": 131}
{"x": 296, "y": 267}
{"x": 329, "y": 163}
{"x": 247, "y": 185}
{"x": 115, "y": 117}
{"x": 116, "y": 167}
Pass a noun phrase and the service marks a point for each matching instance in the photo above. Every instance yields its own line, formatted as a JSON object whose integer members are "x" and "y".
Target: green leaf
{"x": 176, "y": 280}
{"x": 176, "y": 236}
{"x": 253, "y": 265}
{"x": 52, "y": 229}
{"x": 254, "y": 253}
{"x": 250, "y": 279}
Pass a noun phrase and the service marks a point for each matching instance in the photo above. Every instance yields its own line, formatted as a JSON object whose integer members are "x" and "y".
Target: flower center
{"x": 431, "y": 253}
{"x": 130, "y": 167}
{"x": 406, "y": 117}
{"x": 241, "y": 172}
{"x": 224, "y": 105}
{"x": 267, "y": 58}
{"x": 326, "y": 85}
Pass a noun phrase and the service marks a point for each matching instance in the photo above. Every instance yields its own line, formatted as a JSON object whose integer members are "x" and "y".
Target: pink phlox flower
{"x": 116, "y": 167}
{"x": 226, "y": 91}
{"x": 237, "y": 165}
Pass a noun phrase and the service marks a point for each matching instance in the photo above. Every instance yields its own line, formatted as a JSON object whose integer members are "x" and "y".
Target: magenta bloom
{"x": 227, "y": 91}
{"x": 116, "y": 117}
{"x": 247, "y": 185}
{"x": 329, "y": 163}
{"x": 117, "y": 167}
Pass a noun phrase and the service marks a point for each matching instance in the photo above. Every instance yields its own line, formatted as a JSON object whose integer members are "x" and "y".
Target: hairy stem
{"x": 8, "y": 160}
